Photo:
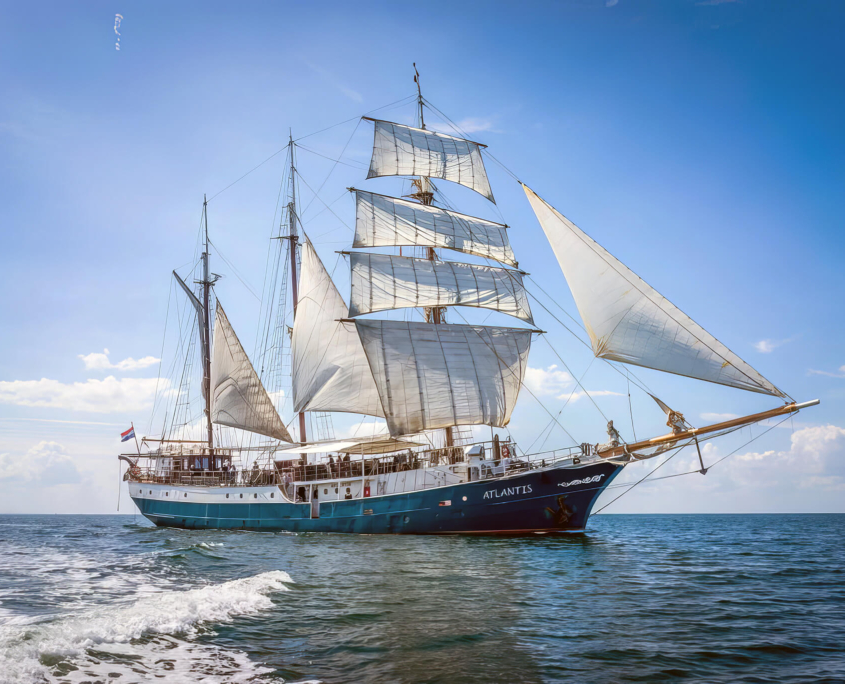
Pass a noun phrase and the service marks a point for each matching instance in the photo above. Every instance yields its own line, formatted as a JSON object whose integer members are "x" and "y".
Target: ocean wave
{"x": 63, "y": 647}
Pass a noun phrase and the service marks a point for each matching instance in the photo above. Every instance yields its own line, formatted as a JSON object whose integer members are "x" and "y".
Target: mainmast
{"x": 206, "y": 348}
{"x": 426, "y": 196}
{"x": 294, "y": 238}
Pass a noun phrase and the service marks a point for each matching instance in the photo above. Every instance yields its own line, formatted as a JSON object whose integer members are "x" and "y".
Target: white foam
{"x": 23, "y": 651}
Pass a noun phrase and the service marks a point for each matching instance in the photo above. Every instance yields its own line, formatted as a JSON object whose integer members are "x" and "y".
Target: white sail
{"x": 238, "y": 399}
{"x": 629, "y": 321}
{"x": 435, "y": 376}
{"x": 383, "y": 221}
{"x": 329, "y": 368}
{"x": 381, "y": 282}
{"x": 404, "y": 151}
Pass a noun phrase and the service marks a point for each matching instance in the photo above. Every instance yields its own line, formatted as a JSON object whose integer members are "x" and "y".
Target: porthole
{"x": 242, "y": 496}
{"x": 151, "y": 491}
{"x": 227, "y": 496}
{"x": 407, "y": 520}
{"x": 167, "y": 493}
{"x": 325, "y": 491}
{"x": 255, "y": 496}
{"x": 272, "y": 495}
{"x": 186, "y": 495}
{"x": 465, "y": 498}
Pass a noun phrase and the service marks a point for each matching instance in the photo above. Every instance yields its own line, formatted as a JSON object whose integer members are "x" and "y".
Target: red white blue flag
{"x": 129, "y": 434}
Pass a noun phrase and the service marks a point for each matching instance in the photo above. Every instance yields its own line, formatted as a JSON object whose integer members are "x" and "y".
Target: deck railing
{"x": 168, "y": 468}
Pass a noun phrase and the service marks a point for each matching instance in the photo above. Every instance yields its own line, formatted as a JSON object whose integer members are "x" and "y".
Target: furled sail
{"x": 629, "y": 321}
{"x": 383, "y": 221}
{"x": 238, "y": 399}
{"x": 329, "y": 368}
{"x": 404, "y": 151}
{"x": 435, "y": 376}
{"x": 381, "y": 281}
{"x": 200, "y": 322}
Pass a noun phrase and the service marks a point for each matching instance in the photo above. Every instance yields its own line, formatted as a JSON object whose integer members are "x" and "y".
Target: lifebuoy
{"x": 506, "y": 453}
{"x": 135, "y": 471}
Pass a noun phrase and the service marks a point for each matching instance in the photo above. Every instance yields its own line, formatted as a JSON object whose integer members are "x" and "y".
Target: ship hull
{"x": 548, "y": 501}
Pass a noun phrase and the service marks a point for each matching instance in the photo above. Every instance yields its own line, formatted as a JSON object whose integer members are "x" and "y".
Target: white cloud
{"x": 47, "y": 463}
{"x": 718, "y": 417}
{"x": 816, "y": 457}
{"x": 840, "y": 374}
{"x": 547, "y": 381}
{"x": 109, "y": 395}
{"x": 768, "y": 346}
{"x": 368, "y": 427}
{"x": 611, "y": 3}
{"x": 98, "y": 361}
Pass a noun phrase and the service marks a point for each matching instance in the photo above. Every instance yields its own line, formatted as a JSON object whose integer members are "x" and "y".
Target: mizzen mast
{"x": 206, "y": 329}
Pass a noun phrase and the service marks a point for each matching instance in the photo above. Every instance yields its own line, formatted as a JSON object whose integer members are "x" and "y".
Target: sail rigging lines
{"x": 677, "y": 450}
{"x": 402, "y": 101}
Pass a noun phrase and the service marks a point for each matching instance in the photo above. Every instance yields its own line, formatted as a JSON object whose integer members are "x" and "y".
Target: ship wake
{"x": 142, "y": 640}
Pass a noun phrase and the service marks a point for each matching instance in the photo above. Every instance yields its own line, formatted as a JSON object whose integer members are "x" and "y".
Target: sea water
{"x": 717, "y": 598}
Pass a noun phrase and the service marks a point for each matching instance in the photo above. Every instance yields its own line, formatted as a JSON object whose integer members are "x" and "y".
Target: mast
{"x": 294, "y": 238}
{"x": 426, "y": 197}
{"x": 206, "y": 362}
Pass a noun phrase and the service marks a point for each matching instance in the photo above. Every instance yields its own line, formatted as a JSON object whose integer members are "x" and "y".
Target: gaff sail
{"x": 238, "y": 398}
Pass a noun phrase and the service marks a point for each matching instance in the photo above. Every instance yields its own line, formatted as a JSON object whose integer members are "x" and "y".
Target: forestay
{"x": 330, "y": 371}
{"x": 629, "y": 321}
{"x": 383, "y": 221}
{"x": 238, "y": 399}
{"x": 436, "y": 376}
{"x": 404, "y": 151}
{"x": 381, "y": 282}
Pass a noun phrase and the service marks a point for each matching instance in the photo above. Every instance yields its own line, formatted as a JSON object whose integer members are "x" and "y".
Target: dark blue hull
{"x": 555, "y": 500}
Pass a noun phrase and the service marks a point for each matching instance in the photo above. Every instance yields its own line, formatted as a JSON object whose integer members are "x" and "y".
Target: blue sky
{"x": 700, "y": 142}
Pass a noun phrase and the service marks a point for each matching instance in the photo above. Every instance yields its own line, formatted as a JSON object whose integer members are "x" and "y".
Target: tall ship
{"x": 226, "y": 459}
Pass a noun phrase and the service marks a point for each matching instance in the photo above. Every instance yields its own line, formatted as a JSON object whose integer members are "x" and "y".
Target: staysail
{"x": 383, "y": 221}
{"x": 437, "y": 376}
{"x": 238, "y": 399}
{"x": 629, "y": 321}
{"x": 381, "y": 282}
{"x": 405, "y": 151}
{"x": 330, "y": 371}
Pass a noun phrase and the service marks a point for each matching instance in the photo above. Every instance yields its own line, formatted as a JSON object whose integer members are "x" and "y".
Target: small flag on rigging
{"x": 129, "y": 434}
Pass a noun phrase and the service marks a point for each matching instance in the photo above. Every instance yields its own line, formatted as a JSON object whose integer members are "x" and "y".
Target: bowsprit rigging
{"x": 430, "y": 379}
